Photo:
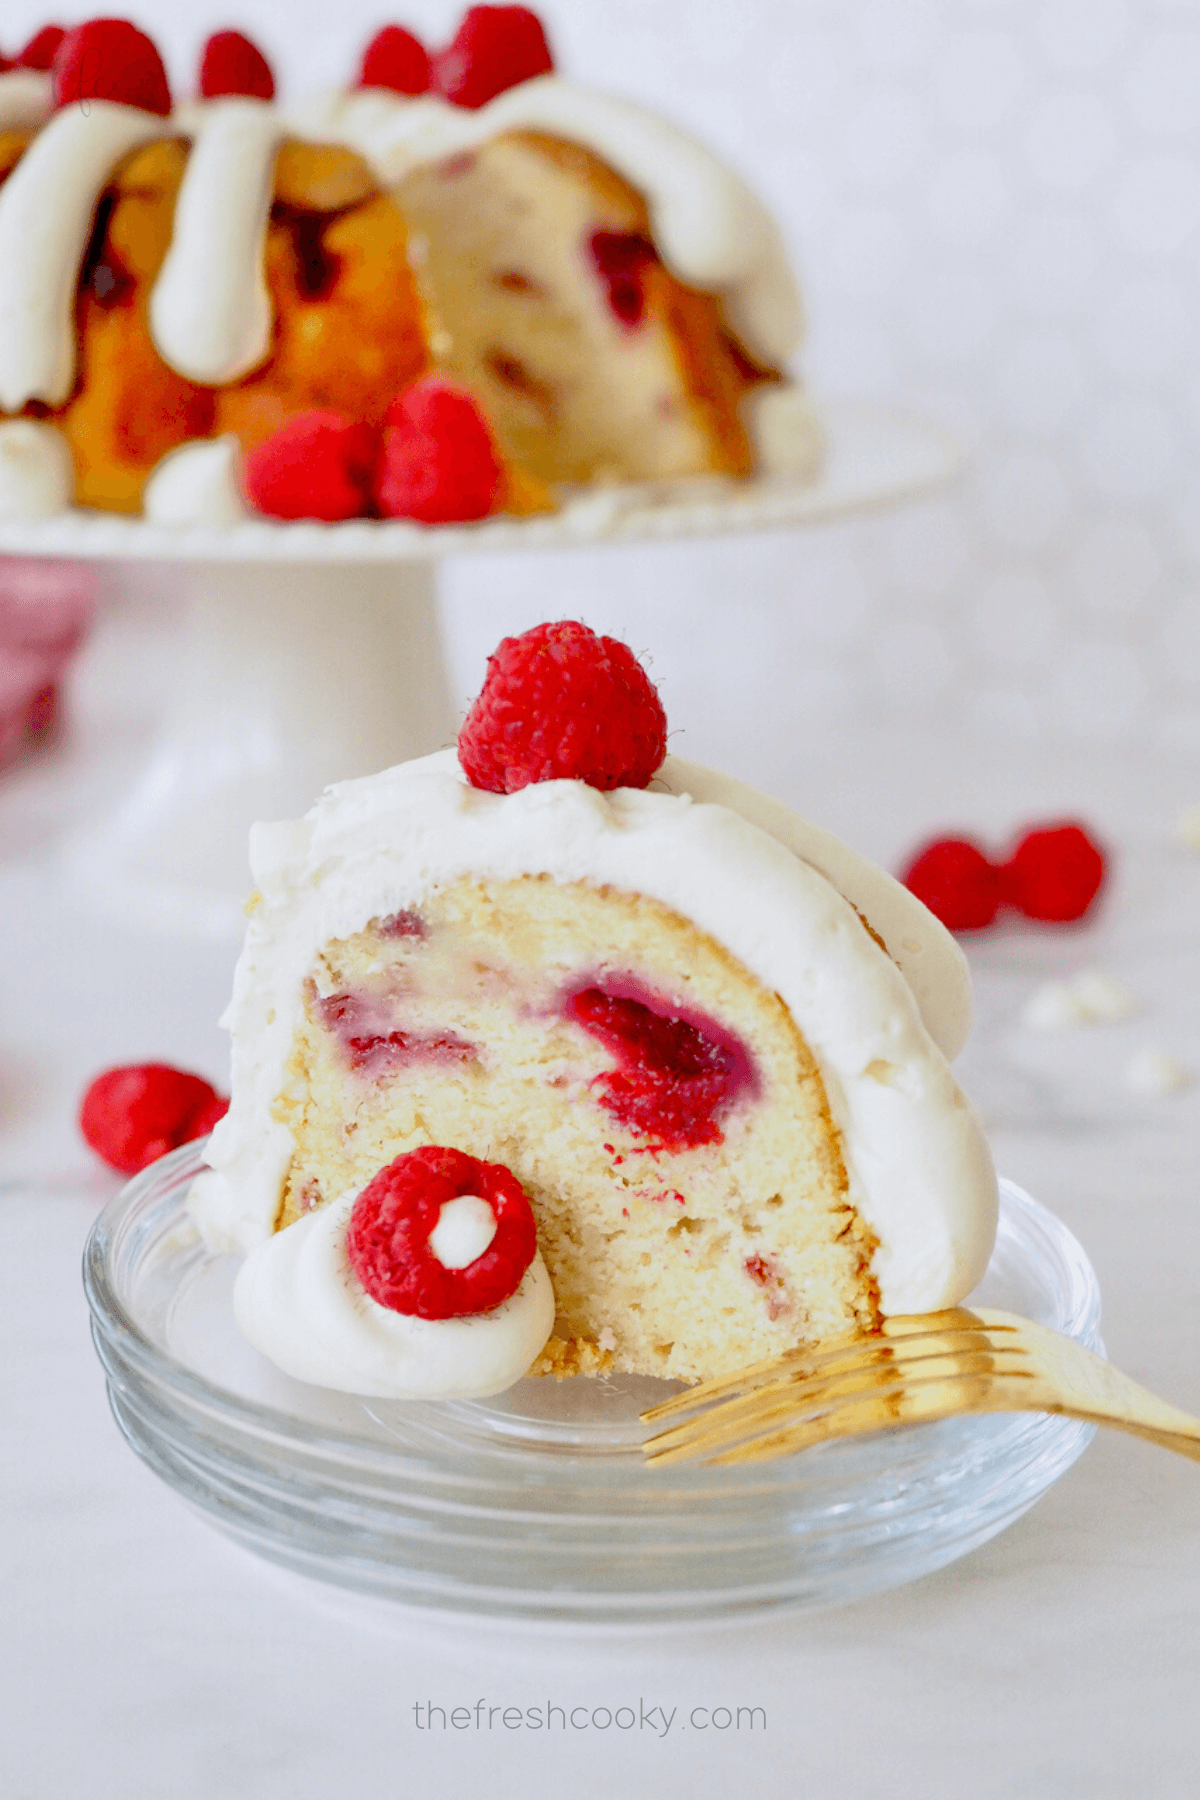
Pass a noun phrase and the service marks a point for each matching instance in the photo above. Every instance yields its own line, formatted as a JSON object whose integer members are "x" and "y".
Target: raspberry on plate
{"x": 439, "y": 463}
{"x": 392, "y": 1236}
{"x": 317, "y": 466}
{"x": 133, "y": 1115}
{"x": 494, "y": 48}
{"x": 1054, "y": 874}
{"x": 231, "y": 64}
{"x": 396, "y": 60}
{"x": 957, "y": 882}
{"x": 560, "y": 703}
{"x": 110, "y": 59}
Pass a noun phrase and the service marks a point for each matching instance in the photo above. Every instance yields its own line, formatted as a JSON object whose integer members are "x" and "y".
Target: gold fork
{"x": 916, "y": 1368}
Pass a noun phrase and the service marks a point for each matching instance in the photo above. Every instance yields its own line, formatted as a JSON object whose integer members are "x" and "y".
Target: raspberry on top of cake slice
{"x": 702, "y": 1040}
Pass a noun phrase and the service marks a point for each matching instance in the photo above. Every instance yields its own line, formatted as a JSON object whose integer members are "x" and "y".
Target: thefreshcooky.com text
{"x": 660, "y": 1720}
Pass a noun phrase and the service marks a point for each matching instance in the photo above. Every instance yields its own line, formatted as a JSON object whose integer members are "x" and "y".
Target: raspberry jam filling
{"x": 620, "y": 258}
{"x": 678, "y": 1072}
{"x": 375, "y": 1046}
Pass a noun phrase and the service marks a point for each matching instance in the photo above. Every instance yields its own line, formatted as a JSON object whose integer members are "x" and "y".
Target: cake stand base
{"x": 288, "y": 677}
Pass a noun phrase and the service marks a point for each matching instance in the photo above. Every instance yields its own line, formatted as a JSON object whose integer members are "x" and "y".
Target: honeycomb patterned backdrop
{"x": 995, "y": 207}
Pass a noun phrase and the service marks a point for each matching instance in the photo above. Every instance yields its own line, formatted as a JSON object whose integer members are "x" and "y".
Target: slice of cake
{"x": 706, "y": 1040}
{"x": 614, "y": 302}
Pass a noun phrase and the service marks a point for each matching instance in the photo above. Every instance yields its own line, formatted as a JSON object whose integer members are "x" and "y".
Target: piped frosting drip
{"x": 47, "y": 207}
{"x": 210, "y": 312}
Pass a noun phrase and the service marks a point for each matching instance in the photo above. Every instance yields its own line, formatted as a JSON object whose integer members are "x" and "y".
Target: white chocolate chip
{"x": 1187, "y": 827}
{"x": 465, "y": 1228}
{"x": 1156, "y": 1071}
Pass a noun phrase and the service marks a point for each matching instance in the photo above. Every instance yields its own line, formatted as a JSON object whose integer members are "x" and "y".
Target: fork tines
{"x": 912, "y": 1368}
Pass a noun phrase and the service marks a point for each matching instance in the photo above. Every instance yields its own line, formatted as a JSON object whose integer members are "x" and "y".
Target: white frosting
{"x": 47, "y": 207}
{"x": 919, "y": 1169}
{"x": 298, "y": 1300}
{"x": 783, "y": 429}
{"x": 710, "y": 228}
{"x": 198, "y": 484}
{"x": 465, "y": 1227}
{"x": 210, "y": 312}
{"x": 26, "y": 99}
{"x": 37, "y": 478}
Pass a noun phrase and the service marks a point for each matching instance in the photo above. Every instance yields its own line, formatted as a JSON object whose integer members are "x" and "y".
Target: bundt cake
{"x": 614, "y": 302}
{"x": 706, "y": 1040}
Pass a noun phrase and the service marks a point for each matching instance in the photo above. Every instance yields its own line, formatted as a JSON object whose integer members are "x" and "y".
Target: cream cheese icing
{"x": 36, "y": 474}
{"x": 198, "y": 484}
{"x": 298, "y": 1300}
{"x": 210, "y": 311}
{"x": 47, "y": 208}
{"x": 919, "y": 1169}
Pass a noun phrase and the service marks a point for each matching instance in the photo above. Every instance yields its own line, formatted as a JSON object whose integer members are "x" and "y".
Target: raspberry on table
{"x": 396, "y": 60}
{"x": 438, "y": 462}
{"x": 494, "y": 48}
{"x": 110, "y": 59}
{"x": 133, "y": 1115}
{"x": 231, "y": 64}
{"x": 388, "y": 1237}
{"x": 560, "y": 703}
{"x": 1054, "y": 873}
{"x": 317, "y": 466}
{"x": 957, "y": 882}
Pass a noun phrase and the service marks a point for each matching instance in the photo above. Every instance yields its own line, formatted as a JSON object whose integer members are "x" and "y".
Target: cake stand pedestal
{"x": 310, "y": 653}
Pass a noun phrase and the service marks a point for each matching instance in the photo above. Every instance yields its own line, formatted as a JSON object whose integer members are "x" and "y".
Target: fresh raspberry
{"x": 110, "y": 59}
{"x": 231, "y": 64}
{"x": 395, "y": 59}
{"x": 494, "y": 48}
{"x": 439, "y": 463}
{"x": 561, "y": 704}
{"x": 388, "y": 1235}
{"x": 132, "y": 1116}
{"x": 621, "y": 258}
{"x": 674, "y": 1078}
{"x": 956, "y": 882}
{"x": 42, "y": 48}
{"x": 1054, "y": 873}
{"x": 317, "y": 466}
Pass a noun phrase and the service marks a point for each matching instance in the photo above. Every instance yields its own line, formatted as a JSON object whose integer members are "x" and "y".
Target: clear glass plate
{"x": 536, "y": 1506}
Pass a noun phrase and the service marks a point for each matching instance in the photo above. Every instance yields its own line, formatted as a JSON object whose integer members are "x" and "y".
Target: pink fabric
{"x": 45, "y": 609}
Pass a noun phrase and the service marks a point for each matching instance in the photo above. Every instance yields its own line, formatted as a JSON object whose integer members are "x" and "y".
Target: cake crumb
{"x": 1156, "y": 1071}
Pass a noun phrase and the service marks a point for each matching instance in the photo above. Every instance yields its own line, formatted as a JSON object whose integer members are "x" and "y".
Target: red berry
{"x": 387, "y": 1239}
{"x": 41, "y": 49}
{"x": 1054, "y": 873}
{"x": 395, "y": 59}
{"x": 494, "y": 48}
{"x": 134, "y": 1115}
{"x": 110, "y": 59}
{"x": 317, "y": 466}
{"x": 439, "y": 463}
{"x": 561, "y": 704}
{"x": 956, "y": 882}
{"x": 621, "y": 258}
{"x": 231, "y": 64}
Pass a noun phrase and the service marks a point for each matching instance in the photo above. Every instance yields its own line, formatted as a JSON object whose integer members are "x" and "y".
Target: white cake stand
{"x": 310, "y": 653}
